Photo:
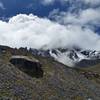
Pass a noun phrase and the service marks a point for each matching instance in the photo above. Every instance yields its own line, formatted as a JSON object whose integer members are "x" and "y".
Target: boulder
{"x": 30, "y": 66}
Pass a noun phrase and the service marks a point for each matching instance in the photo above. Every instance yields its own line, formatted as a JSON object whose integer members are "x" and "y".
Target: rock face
{"x": 30, "y": 66}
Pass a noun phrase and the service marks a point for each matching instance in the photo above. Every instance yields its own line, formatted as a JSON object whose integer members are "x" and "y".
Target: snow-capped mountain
{"x": 71, "y": 57}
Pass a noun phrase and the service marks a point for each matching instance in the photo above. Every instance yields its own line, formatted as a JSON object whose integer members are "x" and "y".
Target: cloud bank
{"x": 31, "y": 31}
{"x": 83, "y": 17}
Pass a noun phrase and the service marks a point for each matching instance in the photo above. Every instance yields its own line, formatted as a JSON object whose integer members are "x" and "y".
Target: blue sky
{"x": 74, "y": 18}
{"x": 13, "y": 7}
{"x": 37, "y": 7}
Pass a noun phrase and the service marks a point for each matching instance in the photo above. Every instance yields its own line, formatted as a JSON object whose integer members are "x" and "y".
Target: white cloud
{"x": 92, "y": 2}
{"x": 47, "y": 2}
{"x": 88, "y": 2}
{"x": 83, "y": 17}
{"x": 2, "y": 6}
{"x": 32, "y": 31}
{"x": 90, "y": 15}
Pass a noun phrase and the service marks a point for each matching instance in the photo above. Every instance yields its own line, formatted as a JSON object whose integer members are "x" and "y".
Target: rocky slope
{"x": 58, "y": 82}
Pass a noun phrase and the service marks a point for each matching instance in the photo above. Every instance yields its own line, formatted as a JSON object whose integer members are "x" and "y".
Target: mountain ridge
{"x": 74, "y": 56}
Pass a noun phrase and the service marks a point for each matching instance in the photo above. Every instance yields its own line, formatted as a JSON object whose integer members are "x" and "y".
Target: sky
{"x": 50, "y": 24}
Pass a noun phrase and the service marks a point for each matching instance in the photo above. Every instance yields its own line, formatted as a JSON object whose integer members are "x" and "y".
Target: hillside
{"x": 59, "y": 82}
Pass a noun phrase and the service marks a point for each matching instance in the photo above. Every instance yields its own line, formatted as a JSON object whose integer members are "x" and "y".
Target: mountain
{"x": 18, "y": 77}
{"x": 71, "y": 57}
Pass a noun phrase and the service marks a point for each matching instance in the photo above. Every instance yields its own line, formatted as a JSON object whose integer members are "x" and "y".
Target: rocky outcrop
{"x": 30, "y": 66}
